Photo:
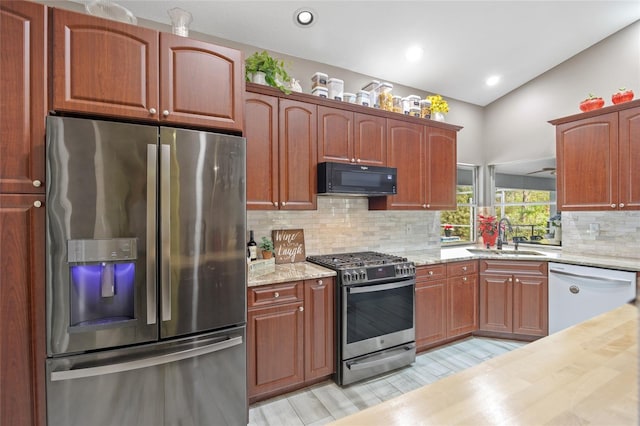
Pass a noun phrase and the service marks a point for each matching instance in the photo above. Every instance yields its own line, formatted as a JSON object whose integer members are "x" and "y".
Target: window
{"x": 462, "y": 220}
{"x": 529, "y": 203}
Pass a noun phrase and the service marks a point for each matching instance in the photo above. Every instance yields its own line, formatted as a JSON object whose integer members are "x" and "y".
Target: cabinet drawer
{"x": 275, "y": 294}
{"x": 431, "y": 272}
{"x": 520, "y": 267}
{"x": 457, "y": 269}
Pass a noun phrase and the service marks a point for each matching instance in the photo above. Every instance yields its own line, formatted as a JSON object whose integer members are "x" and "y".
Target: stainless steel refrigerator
{"x": 146, "y": 275}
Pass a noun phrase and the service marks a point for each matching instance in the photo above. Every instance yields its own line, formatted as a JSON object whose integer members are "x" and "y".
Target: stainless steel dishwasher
{"x": 577, "y": 293}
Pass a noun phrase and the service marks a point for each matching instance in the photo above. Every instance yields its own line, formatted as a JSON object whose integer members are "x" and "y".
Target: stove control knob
{"x": 363, "y": 274}
{"x": 346, "y": 276}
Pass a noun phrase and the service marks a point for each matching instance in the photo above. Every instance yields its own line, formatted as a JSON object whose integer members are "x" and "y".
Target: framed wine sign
{"x": 288, "y": 245}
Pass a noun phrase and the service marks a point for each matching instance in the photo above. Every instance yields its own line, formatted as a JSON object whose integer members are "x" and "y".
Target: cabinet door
{"x": 335, "y": 135}
{"x": 405, "y": 151}
{"x": 276, "y": 348}
{"x": 431, "y": 317}
{"x": 22, "y": 307}
{"x": 298, "y": 155}
{"x": 370, "y": 141}
{"x": 104, "y": 67}
{"x": 200, "y": 83}
{"x": 629, "y": 158}
{"x": 441, "y": 166}
{"x": 319, "y": 328}
{"x": 462, "y": 309}
{"x": 23, "y": 92}
{"x": 530, "y": 305}
{"x": 587, "y": 159}
{"x": 261, "y": 132}
{"x": 496, "y": 303}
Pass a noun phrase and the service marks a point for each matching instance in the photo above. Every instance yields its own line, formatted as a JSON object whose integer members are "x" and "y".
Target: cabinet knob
{"x": 320, "y": 282}
{"x": 621, "y": 205}
{"x": 464, "y": 268}
{"x": 37, "y": 204}
{"x": 517, "y": 280}
{"x": 301, "y": 308}
{"x": 284, "y": 203}
{"x": 276, "y": 294}
{"x": 510, "y": 279}
{"x": 358, "y": 160}
{"x": 152, "y": 111}
{"x": 424, "y": 206}
{"x": 428, "y": 206}
{"x": 37, "y": 183}
{"x": 275, "y": 203}
{"x": 464, "y": 278}
{"x": 613, "y": 206}
{"x": 430, "y": 272}
{"x": 353, "y": 160}
{"x": 165, "y": 113}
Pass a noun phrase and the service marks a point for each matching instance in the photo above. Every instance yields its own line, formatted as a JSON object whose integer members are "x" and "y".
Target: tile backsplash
{"x": 619, "y": 233}
{"x": 345, "y": 224}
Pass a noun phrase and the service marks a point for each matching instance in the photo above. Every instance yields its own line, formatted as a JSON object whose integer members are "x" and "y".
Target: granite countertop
{"x": 291, "y": 272}
{"x": 585, "y": 374}
{"x": 307, "y": 270}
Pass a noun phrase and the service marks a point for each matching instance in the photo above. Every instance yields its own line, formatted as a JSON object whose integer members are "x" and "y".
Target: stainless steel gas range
{"x": 375, "y": 327}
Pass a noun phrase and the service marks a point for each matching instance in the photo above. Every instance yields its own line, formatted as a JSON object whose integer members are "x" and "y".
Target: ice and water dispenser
{"x": 102, "y": 282}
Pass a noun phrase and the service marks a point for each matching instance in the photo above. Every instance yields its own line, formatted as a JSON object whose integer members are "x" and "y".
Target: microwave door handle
{"x": 165, "y": 229}
{"x": 380, "y": 287}
{"x": 137, "y": 364}
{"x": 152, "y": 187}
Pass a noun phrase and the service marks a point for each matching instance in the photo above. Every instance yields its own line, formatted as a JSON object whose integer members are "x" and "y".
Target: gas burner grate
{"x": 355, "y": 260}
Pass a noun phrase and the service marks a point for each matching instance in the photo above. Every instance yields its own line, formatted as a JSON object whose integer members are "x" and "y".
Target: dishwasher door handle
{"x": 144, "y": 362}
{"x": 602, "y": 279}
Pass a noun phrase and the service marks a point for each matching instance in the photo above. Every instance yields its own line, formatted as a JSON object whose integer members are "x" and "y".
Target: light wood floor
{"x": 326, "y": 402}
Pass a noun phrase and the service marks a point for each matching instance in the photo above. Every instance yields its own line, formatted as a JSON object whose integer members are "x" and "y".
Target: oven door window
{"x": 377, "y": 310}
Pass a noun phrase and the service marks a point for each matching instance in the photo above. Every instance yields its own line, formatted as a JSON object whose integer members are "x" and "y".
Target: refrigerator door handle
{"x": 165, "y": 229}
{"x": 145, "y": 362}
{"x": 152, "y": 186}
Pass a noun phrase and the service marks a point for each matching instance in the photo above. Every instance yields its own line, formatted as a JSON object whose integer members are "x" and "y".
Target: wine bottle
{"x": 253, "y": 247}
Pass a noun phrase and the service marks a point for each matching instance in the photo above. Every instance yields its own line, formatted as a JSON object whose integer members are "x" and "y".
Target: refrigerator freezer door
{"x": 191, "y": 382}
{"x": 99, "y": 294}
{"x": 202, "y": 226}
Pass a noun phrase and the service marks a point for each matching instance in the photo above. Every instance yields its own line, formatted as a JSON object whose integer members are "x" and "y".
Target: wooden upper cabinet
{"x": 369, "y": 139}
{"x": 110, "y": 68}
{"x": 598, "y": 159}
{"x": 104, "y": 67}
{"x": 348, "y": 137}
{"x": 629, "y": 158}
{"x": 23, "y": 90}
{"x": 335, "y": 135}
{"x": 261, "y": 132}
{"x": 297, "y": 155}
{"x": 406, "y": 152}
{"x": 200, "y": 83}
{"x": 441, "y": 165}
{"x": 587, "y": 157}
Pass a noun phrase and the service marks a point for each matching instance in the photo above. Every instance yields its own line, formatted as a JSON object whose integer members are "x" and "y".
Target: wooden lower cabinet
{"x": 513, "y": 297}
{"x": 290, "y": 336}
{"x": 446, "y": 302}
{"x": 22, "y": 307}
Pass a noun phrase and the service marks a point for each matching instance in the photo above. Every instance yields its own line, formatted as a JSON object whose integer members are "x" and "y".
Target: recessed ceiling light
{"x": 414, "y": 53}
{"x": 493, "y": 80}
{"x": 304, "y": 17}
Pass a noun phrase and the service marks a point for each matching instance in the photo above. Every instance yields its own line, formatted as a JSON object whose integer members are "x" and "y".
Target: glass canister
{"x": 385, "y": 96}
{"x": 425, "y": 108}
{"x": 362, "y": 98}
{"x": 397, "y": 104}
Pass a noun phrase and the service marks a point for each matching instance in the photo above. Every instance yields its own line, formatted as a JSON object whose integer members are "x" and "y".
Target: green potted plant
{"x": 266, "y": 245}
{"x": 273, "y": 69}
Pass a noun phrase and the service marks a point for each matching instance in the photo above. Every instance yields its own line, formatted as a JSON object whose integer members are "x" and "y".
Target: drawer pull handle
{"x": 276, "y": 294}
{"x": 320, "y": 282}
{"x": 464, "y": 268}
{"x": 301, "y": 308}
{"x": 430, "y": 272}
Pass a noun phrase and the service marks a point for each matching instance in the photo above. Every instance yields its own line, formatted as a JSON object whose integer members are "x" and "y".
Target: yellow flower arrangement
{"x": 438, "y": 104}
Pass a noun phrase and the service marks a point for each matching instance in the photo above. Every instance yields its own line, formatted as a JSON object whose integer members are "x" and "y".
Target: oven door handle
{"x": 379, "y": 287}
{"x": 361, "y": 365}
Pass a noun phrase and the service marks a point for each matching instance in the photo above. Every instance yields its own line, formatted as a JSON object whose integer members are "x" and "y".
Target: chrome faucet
{"x": 501, "y": 232}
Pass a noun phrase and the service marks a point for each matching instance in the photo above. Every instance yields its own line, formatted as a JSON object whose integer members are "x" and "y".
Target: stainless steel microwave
{"x": 356, "y": 179}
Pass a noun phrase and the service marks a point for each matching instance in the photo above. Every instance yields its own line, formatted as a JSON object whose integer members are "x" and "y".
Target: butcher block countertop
{"x": 586, "y": 374}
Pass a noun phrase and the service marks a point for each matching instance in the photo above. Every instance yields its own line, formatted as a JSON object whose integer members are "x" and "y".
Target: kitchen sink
{"x": 505, "y": 253}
